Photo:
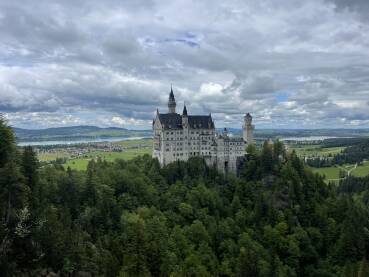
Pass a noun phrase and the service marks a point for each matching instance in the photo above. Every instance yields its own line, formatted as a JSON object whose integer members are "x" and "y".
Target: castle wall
{"x": 181, "y": 144}
{"x": 226, "y": 153}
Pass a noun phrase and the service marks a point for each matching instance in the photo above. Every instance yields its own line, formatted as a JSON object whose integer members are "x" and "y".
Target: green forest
{"x": 133, "y": 218}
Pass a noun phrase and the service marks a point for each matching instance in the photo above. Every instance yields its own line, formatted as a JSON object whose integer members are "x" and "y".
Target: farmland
{"x": 130, "y": 149}
{"x": 77, "y": 156}
{"x": 331, "y": 173}
{"x": 81, "y": 163}
{"x": 315, "y": 150}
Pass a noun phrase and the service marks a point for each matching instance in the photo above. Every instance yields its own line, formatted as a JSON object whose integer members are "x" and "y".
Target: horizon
{"x": 291, "y": 65}
{"x": 237, "y": 128}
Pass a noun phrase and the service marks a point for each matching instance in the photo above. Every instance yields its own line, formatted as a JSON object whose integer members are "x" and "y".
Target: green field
{"x": 139, "y": 142}
{"x": 315, "y": 150}
{"x": 77, "y": 164}
{"x": 47, "y": 157}
{"x": 133, "y": 149}
{"x": 361, "y": 170}
{"x": 81, "y": 163}
{"x": 332, "y": 173}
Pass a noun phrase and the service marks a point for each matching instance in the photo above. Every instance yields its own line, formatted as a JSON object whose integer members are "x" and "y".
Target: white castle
{"x": 179, "y": 137}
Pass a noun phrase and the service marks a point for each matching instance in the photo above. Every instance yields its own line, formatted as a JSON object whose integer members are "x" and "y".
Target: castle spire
{"x": 184, "y": 110}
{"x": 172, "y": 101}
{"x": 171, "y": 94}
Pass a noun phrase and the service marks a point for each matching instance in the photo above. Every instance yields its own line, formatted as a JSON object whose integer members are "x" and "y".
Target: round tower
{"x": 248, "y": 129}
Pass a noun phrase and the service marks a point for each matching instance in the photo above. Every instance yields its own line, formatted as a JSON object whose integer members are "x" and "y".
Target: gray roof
{"x": 200, "y": 122}
{"x": 174, "y": 121}
{"x": 171, "y": 120}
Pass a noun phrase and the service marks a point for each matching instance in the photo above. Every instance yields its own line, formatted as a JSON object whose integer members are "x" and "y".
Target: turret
{"x": 184, "y": 117}
{"x": 248, "y": 129}
{"x": 172, "y": 102}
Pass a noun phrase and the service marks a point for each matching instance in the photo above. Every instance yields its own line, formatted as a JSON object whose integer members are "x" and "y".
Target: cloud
{"x": 112, "y": 62}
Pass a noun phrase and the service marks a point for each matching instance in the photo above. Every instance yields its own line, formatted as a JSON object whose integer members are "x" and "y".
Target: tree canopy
{"x": 133, "y": 218}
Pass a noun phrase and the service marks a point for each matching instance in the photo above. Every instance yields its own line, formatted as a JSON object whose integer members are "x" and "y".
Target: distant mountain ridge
{"x": 88, "y": 132}
{"x": 76, "y": 132}
{"x": 262, "y": 134}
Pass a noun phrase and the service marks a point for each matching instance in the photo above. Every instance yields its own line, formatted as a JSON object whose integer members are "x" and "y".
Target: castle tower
{"x": 248, "y": 129}
{"x": 172, "y": 102}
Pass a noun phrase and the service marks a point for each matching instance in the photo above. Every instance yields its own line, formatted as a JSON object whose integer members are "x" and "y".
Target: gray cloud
{"x": 290, "y": 63}
{"x": 357, "y": 5}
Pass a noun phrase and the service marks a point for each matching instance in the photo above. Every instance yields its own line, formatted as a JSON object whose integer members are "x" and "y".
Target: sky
{"x": 290, "y": 63}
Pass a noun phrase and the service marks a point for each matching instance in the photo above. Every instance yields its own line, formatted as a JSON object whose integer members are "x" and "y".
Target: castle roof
{"x": 171, "y": 120}
{"x": 200, "y": 121}
{"x": 174, "y": 121}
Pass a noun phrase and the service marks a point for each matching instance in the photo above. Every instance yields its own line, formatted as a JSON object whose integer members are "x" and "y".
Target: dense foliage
{"x": 338, "y": 142}
{"x": 353, "y": 154}
{"x": 136, "y": 219}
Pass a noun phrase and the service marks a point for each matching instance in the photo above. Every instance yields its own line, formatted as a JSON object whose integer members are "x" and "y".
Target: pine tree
{"x": 13, "y": 203}
{"x": 30, "y": 166}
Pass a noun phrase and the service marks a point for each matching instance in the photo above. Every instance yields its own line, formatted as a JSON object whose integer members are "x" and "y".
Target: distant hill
{"x": 88, "y": 132}
{"x": 263, "y": 134}
{"x": 279, "y": 133}
{"x": 76, "y": 132}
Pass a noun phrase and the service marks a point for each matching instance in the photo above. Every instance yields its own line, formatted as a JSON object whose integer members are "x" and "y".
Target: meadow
{"x": 81, "y": 163}
{"x": 330, "y": 173}
{"x": 315, "y": 150}
{"x": 132, "y": 149}
{"x": 48, "y": 157}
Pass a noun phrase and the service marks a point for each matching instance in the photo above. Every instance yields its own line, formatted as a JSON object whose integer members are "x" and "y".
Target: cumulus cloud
{"x": 290, "y": 63}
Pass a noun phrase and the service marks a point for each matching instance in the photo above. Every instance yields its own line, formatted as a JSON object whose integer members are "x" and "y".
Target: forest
{"x": 353, "y": 154}
{"x": 133, "y": 218}
{"x": 357, "y": 151}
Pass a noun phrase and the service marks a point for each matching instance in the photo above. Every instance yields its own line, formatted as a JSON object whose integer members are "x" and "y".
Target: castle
{"x": 178, "y": 137}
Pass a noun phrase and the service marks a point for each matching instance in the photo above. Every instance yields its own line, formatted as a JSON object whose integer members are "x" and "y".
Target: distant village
{"x": 79, "y": 150}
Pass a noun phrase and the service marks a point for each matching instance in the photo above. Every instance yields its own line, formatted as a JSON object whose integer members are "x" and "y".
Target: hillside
{"x": 353, "y": 154}
{"x": 133, "y": 218}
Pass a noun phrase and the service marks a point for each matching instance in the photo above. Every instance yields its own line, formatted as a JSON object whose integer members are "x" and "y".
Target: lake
{"x": 59, "y": 142}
